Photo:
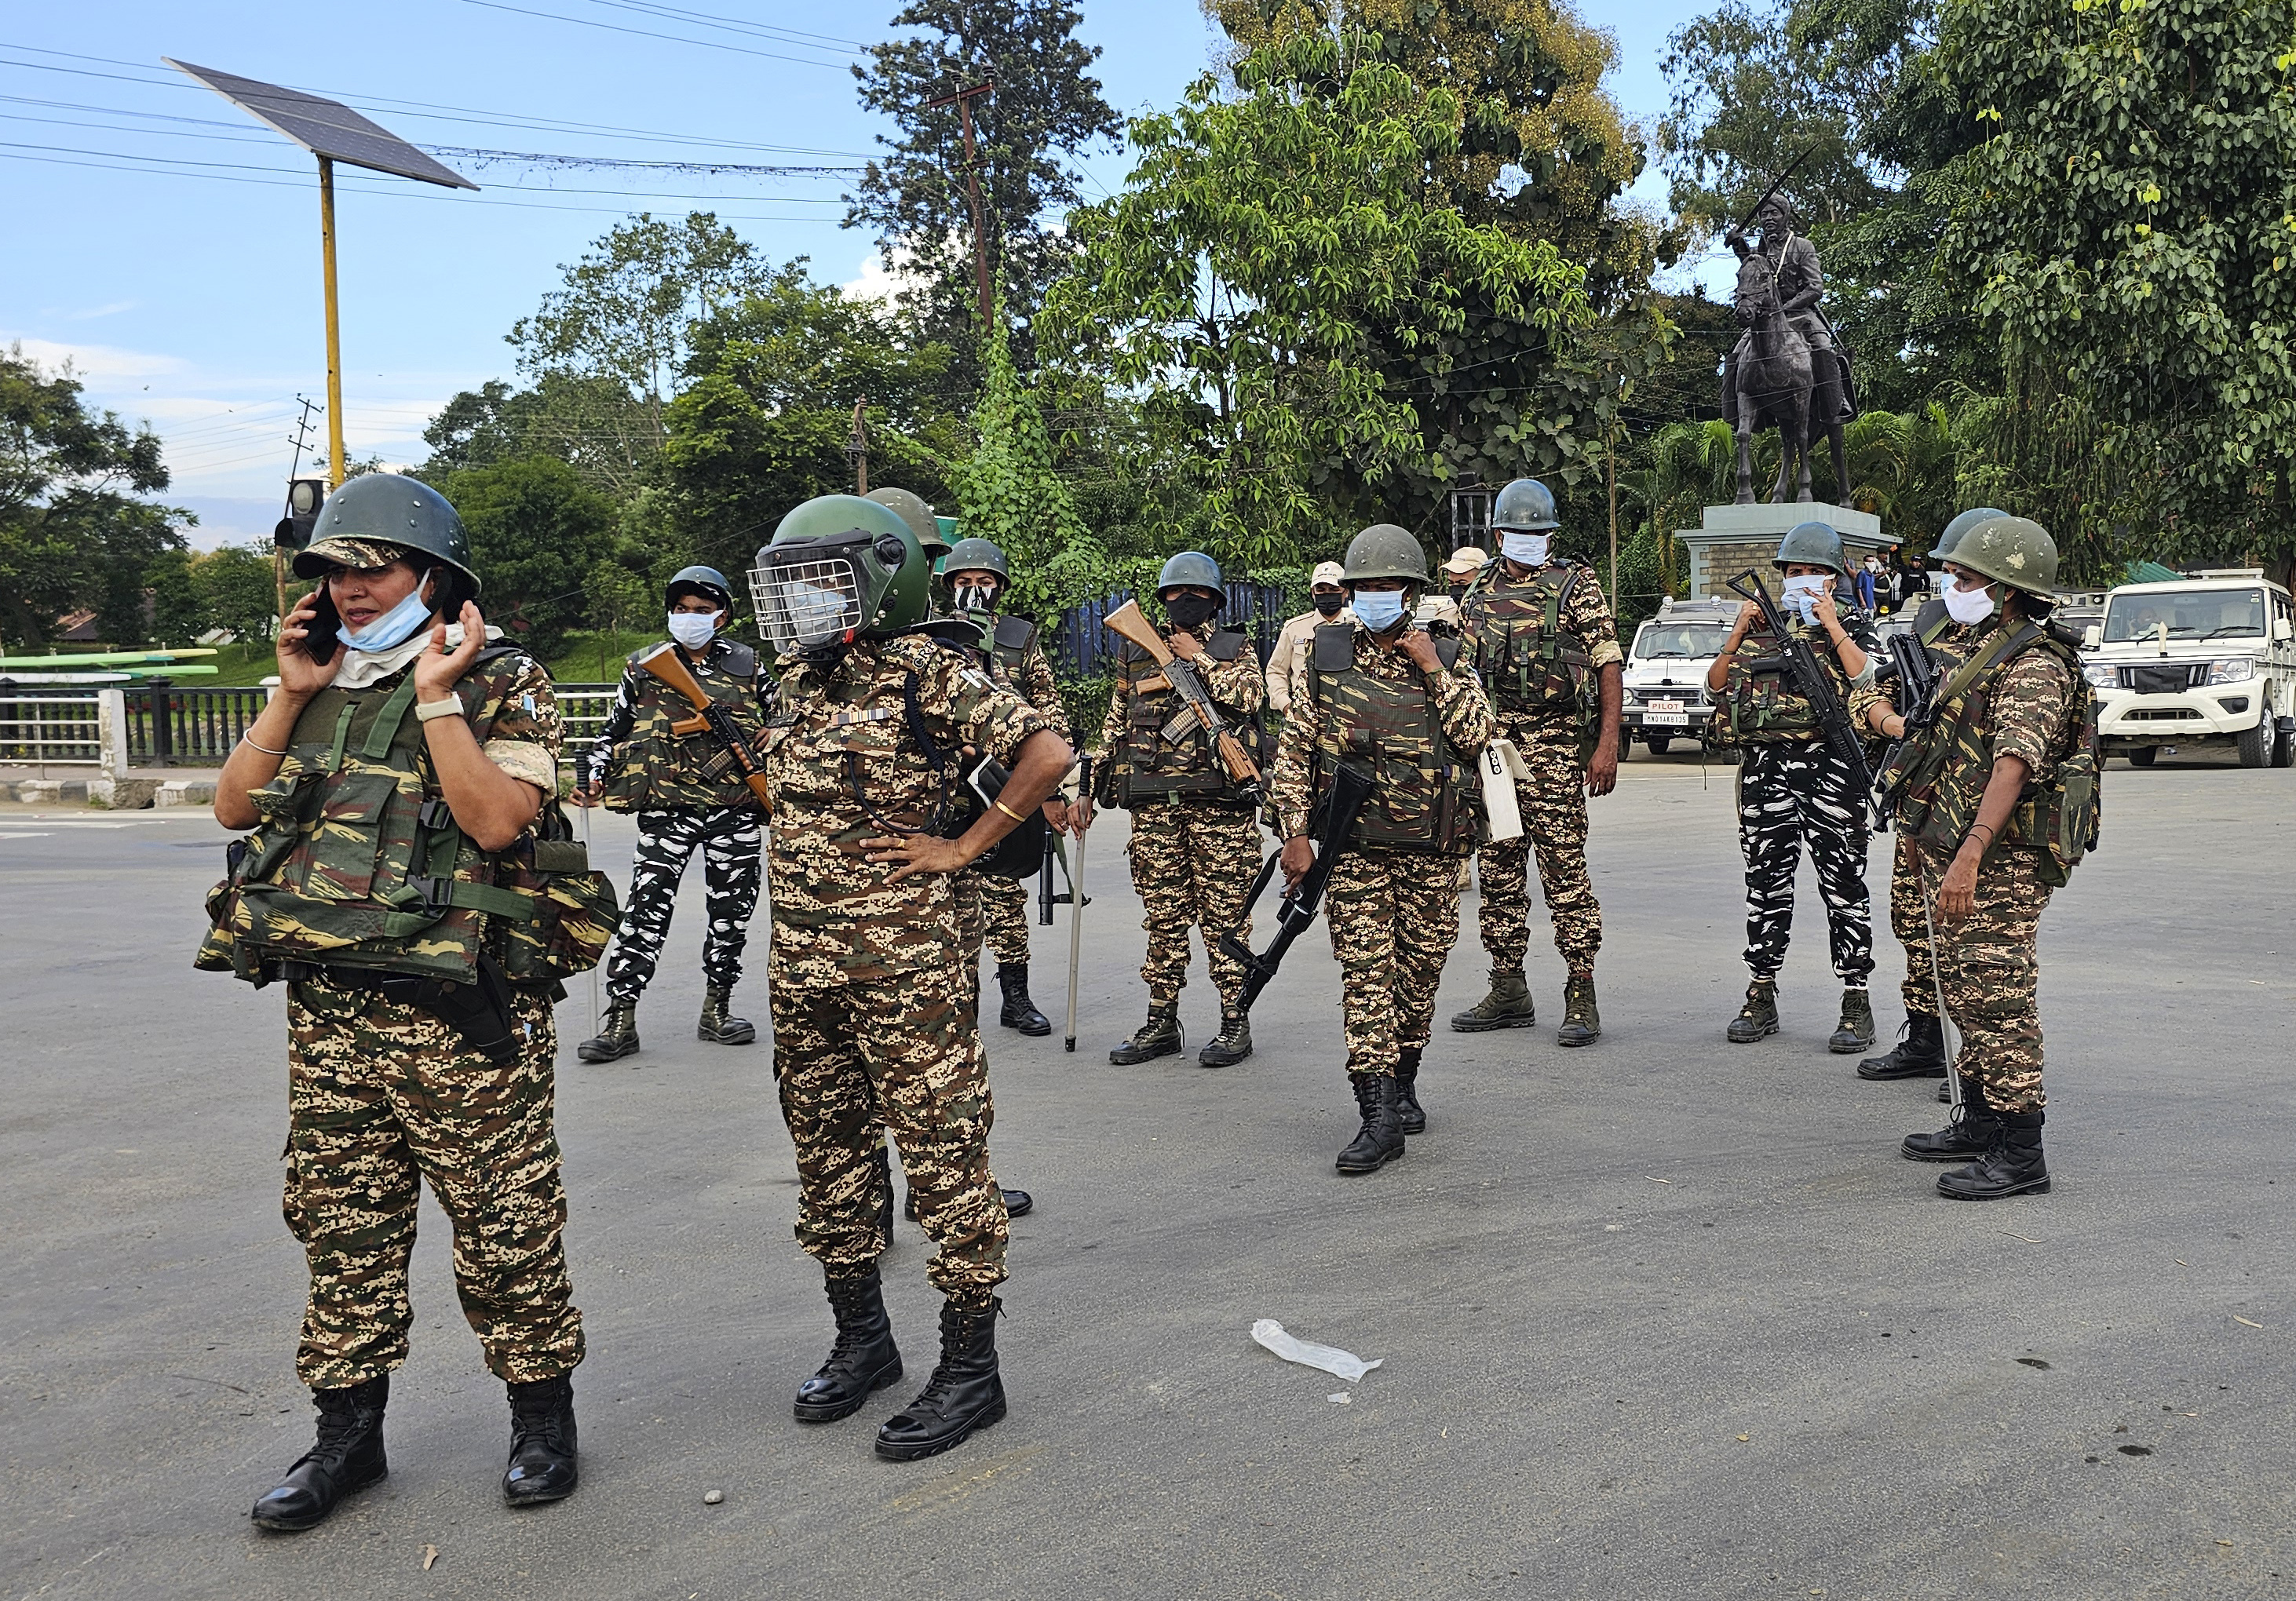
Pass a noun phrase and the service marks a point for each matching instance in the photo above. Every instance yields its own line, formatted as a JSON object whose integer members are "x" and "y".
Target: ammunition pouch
{"x": 576, "y": 911}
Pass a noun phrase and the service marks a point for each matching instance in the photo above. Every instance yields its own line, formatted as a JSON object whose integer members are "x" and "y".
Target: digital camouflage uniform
{"x": 1990, "y": 960}
{"x": 687, "y": 796}
{"x": 1392, "y": 900}
{"x": 1793, "y": 792}
{"x": 1194, "y": 849}
{"x": 873, "y": 1014}
{"x": 1950, "y": 645}
{"x": 997, "y": 909}
{"x": 380, "y": 1095}
{"x": 1543, "y": 687}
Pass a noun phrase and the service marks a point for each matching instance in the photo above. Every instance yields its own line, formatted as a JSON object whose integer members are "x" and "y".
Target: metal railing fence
{"x": 197, "y": 725}
{"x": 52, "y": 728}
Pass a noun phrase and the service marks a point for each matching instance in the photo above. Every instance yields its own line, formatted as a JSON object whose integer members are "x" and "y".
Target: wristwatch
{"x": 424, "y": 711}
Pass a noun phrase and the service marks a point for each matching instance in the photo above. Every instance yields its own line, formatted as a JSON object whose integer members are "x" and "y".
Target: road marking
{"x": 10, "y": 836}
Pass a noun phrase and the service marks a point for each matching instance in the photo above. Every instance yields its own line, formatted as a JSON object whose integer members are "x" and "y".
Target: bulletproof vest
{"x": 1422, "y": 795}
{"x": 1516, "y": 638}
{"x": 1008, "y": 648}
{"x": 1765, "y": 708}
{"x": 654, "y": 767}
{"x": 356, "y": 860}
{"x": 1154, "y": 761}
{"x": 1947, "y": 768}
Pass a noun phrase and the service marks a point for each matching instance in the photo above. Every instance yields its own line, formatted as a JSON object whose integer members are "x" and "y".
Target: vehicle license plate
{"x": 1666, "y": 719}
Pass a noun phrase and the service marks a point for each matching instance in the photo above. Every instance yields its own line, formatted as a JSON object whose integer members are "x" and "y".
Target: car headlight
{"x": 2233, "y": 669}
{"x": 2100, "y": 675}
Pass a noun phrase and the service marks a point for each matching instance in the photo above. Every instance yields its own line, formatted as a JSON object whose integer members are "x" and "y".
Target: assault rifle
{"x": 1797, "y": 661}
{"x": 1334, "y": 822}
{"x": 1131, "y": 623}
{"x": 1911, "y": 668}
{"x": 664, "y": 662}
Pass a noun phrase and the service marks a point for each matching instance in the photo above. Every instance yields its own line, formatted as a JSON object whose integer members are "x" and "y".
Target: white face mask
{"x": 1801, "y": 594}
{"x": 694, "y": 629}
{"x": 1967, "y": 606}
{"x": 1524, "y": 549}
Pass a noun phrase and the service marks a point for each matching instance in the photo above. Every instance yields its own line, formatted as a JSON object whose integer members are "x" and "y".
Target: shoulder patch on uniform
{"x": 977, "y": 678}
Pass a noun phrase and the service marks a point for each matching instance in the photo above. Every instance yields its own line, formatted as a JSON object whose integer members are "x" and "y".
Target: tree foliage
{"x": 1012, "y": 493}
{"x": 595, "y": 425}
{"x": 195, "y": 593}
{"x": 536, "y": 530}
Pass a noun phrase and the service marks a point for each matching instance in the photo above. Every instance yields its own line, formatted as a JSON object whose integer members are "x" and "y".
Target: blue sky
{"x": 168, "y": 245}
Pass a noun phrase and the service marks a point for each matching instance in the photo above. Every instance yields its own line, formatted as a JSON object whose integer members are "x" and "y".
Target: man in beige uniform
{"x": 1287, "y": 663}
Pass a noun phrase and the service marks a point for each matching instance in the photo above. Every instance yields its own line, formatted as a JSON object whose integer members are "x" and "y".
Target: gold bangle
{"x": 1008, "y": 810}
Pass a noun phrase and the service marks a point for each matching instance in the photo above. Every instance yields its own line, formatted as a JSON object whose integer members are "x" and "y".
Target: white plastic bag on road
{"x": 1331, "y": 1359}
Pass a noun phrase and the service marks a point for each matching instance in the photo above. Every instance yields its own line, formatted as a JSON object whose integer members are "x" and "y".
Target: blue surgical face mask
{"x": 1524, "y": 549}
{"x": 1378, "y": 609}
{"x": 1801, "y": 594}
{"x": 394, "y": 627}
{"x": 693, "y": 629}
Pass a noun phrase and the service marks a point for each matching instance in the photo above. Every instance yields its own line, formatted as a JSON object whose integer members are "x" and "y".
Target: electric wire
{"x": 550, "y": 16}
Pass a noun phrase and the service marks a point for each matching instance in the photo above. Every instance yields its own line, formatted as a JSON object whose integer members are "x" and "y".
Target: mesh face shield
{"x": 817, "y": 592}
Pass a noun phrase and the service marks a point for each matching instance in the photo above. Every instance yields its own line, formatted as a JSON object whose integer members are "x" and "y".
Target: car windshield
{"x": 1687, "y": 642}
{"x": 2190, "y": 614}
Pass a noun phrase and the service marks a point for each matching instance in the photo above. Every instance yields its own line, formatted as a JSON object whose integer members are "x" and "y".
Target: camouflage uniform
{"x": 1951, "y": 644}
{"x": 1546, "y": 708}
{"x": 381, "y": 1095}
{"x": 687, "y": 795}
{"x": 844, "y": 941}
{"x": 1392, "y": 900}
{"x": 997, "y": 909}
{"x": 1194, "y": 850}
{"x": 1794, "y": 791}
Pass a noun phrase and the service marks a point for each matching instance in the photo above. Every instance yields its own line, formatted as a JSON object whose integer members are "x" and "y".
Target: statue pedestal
{"x": 1735, "y": 538}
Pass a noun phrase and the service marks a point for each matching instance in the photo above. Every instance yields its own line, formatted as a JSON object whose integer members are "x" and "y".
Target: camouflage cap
{"x": 314, "y": 560}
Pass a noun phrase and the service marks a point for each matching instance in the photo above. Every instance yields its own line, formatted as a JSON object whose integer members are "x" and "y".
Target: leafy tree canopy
{"x": 536, "y": 530}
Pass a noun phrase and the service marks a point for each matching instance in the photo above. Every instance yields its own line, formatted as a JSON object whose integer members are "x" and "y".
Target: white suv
{"x": 2205, "y": 660}
{"x": 1666, "y": 697}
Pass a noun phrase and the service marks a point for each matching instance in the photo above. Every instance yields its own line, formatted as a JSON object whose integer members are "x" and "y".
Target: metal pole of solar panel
{"x": 334, "y": 324}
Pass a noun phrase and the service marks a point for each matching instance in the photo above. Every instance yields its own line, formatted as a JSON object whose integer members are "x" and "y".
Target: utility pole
{"x": 1611, "y": 471}
{"x": 963, "y": 100}
{"x": 278, "y": 556}
{"x": 857, "y": 447}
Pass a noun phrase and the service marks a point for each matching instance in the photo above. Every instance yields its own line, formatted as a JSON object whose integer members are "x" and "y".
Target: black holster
{"x": 479, "y": 1011}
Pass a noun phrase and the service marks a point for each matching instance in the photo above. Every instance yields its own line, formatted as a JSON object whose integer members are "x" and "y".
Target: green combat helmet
{"x": 912, "y": 509}
{"x": 1190, "y": 569}
{"x": 977, "y": 555}
{"x": 1960, "y": 526}
{"x": 1525, "y": 506}
{"x": 839, "y": 568}
{"x": 386, "y": 509}
{"x": 2014, "y": 551}
{"x": 1809, "y": 544}
{"x": 1385, "y": 550}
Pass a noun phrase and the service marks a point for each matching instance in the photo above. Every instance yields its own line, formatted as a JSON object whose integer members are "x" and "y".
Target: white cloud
{"x": 107, "y": 363}
{"x": 879, "y": 282}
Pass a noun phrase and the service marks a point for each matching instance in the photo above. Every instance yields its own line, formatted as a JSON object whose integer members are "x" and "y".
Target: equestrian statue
{"x": 1789, "y": 370}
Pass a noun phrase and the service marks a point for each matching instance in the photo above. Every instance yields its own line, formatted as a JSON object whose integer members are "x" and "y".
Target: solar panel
{"x": 325, "y": 127}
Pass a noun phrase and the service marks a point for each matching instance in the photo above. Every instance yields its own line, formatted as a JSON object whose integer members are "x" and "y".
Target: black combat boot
{"x": 1855, "y": 1031}
{"x": 1410, "y": 1116}
{"x": 863, "y": 1359}
{"x": 1159, "y": 1036}
{"x": 1381, "y": 1140}
{"x": 1758, "y": 1019}
{"x": 1507, "y": 1006}
{"x": 617, "y": 1036}
{"x": 1582, "y": 1025}
{"x": 1018, "y": 1203}
{"x": 1019, "y": 1012}
{"x": 1233, "y": 1044}
{"x": 2012, "y": 1163}
{"x": 541, "y": 1442}
{"x": 715, "y": 1027}
{"x": 963, "y": 1394}
{"x": 1967, "y": 1135}
{"x": 1920, "y": 1052}
{"x": 348, "y": 1456}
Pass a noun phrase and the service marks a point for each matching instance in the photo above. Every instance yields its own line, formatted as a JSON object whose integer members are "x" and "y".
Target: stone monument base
{"x": 1735, "y": 538}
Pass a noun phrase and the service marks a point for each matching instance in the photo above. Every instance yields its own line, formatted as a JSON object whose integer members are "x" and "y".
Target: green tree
{"x": 72, "y": 532}
{"x": 593, "y": 424}
{"x": 1011, "y": 494}
{"x": 2126, "y": 223}
{"x": 536, "y": 530}
{"x": 1243, "y": 279}
{"x": 1046, "y": 111}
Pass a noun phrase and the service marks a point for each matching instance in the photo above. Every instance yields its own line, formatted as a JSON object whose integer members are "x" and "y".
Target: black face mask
{"x": 1329, "y": 605}
{"x": 1190, "y": 613}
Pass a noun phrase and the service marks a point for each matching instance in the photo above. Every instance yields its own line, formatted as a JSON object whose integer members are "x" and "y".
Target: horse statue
{"x": 1776, "y": 386}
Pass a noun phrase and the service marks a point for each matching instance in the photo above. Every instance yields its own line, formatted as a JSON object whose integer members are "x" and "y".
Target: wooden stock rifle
{"x": 1129, "y": 622}
{"x": 665, "y": 662}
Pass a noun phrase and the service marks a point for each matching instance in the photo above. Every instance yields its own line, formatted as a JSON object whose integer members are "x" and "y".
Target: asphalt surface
{"x": 1660, "y": 1317}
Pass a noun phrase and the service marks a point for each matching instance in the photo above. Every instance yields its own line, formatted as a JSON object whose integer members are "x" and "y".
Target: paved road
{"x": 1663, "y": 1317}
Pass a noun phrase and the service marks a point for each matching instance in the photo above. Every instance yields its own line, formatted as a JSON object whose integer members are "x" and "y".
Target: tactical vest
{"x": 1765, "y": 708}
{"x": 1947, "y": 768}
{"x": 1150, "y": 766}
{"x": 653, "y": 768}
{"x": 1423, "y": 795}
{"x": 356, "y": 860}
{"x": 1009, "y": 640}
{"x": 1527, "y": 659}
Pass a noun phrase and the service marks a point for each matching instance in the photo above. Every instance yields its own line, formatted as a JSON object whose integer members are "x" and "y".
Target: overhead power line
{"x": 702, "y": 18}
{"x": 552, "y": 16}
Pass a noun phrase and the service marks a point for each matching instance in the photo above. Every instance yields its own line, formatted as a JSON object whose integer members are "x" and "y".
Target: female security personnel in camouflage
{"x": 419, "y": 754}
{"x": 687, "y": 795}
{"x": 874, "y": 1024}
{"x": 2001, "y": 796}
{"x": 1380, "y": 693}
{"x": 1793, "y": 790}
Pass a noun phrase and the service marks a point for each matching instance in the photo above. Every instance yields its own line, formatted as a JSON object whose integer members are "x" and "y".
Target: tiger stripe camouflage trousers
{"x": 1192, "y": 866}
{"x": 1554, "y": 806}
{"x": 1394, "y": 918}
{"x": 729, "y": 841}
{"x": 382, "y": 1095}
{"x": 1792, "y": 795}
{"x": 904, "y": 1054}
{"x": 1992, "y": 965}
